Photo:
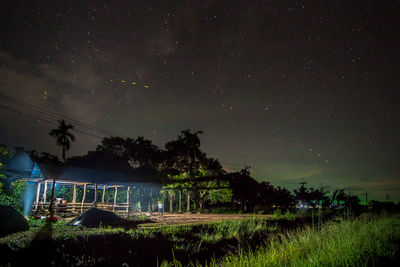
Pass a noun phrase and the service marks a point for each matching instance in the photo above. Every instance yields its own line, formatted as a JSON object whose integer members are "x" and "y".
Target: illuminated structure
{"x": 41, "y": 175}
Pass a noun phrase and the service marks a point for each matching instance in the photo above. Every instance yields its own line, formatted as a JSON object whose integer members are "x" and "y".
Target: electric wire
{"x": 59, "y": 116}
{"x": 39, "y": 119}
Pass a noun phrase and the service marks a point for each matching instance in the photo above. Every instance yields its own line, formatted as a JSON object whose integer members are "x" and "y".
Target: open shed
{"x": 41, "y": 175}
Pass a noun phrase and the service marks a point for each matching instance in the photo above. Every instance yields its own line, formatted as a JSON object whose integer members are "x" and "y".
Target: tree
{"x": 63, "y": 138}
{"x": 318, "y": 197}
{"x": 10, "y": 190}
{"x": 245, "y": 190}
{"x": 302, "y": 194}
{"x": 143, "y": 153}
{"x": 338, "y": 196}
{"x": 184, "y": 153}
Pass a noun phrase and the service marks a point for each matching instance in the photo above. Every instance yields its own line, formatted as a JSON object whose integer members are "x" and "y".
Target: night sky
{"x": 292, "y": 88}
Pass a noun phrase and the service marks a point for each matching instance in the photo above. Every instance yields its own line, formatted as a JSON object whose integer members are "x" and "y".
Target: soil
{"x": 188, "y": 218}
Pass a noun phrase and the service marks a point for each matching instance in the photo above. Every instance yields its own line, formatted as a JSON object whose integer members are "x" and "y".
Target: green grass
{"x": 358, "y": 242}
{"x": 146, "y": 244}
{"x": 246, "y": 242}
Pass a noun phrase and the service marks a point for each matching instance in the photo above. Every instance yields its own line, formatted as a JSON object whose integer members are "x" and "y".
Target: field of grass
{"x": 246, "y": 242}
{"x": 360, "y": 242}
{"x": 145, "y": 246}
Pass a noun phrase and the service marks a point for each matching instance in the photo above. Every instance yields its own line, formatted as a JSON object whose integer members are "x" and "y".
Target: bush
{"x": 277, "y": 213}
{"x": 289, "y": 216}
{"x": 11, "y": 193}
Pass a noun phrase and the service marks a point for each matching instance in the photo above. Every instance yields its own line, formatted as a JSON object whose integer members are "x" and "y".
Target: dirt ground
{"x": 182, "y": 218}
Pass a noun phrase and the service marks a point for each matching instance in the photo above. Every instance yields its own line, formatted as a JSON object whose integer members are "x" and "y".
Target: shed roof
{"x": 22, "y": 166}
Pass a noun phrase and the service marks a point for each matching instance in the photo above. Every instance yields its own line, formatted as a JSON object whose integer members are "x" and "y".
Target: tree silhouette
{"x": 63, "y": 136}
{"x": 302, "y": 194}
{"x": 184, "y": 153}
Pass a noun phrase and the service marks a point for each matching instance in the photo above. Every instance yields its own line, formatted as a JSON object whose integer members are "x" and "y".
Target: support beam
{"x": 95, "y": 196}
{"x": 37, "y": 196}
{"x": 83, "y": 197}
{"x": 52, "y": 204}
{"x": 188, "y": 202}
{"x": 127, "y": 201}
{"x": 115, "y": 197}
{"x": 139, "y": 204}
{"x": 150, "y": 204}
{"x": 74, "y": 197}
{"x": 45, "y": 192}
{"x": 180, "y": 201}
{"x": 104, "y": 192}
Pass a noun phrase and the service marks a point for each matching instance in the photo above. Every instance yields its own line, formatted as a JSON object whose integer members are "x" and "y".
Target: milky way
{"x": 292, "y": 88}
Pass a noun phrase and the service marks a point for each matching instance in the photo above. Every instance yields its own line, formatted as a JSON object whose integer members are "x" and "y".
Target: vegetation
{"x": 360, "y": 242}
{"x": 144, "y": 246}
{"x": 10, "y": 189}
{"x": 365, "y": 241}
{"x": 349, "y": 243}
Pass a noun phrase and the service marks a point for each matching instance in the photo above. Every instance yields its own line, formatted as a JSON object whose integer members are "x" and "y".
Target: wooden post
{"x": 83, "y": 197}
{"x": 140, "y": 197}
{"x": 188, "y": 202}
{"x": 74, "y": 198}
{"x": 74, "y": 195}
{"x": 127, "y": 201}
{"x": 115, "y": 197}
{"x": 45, "y": 192}
{"x": 37, "y": 196}
{"x": 52, "y": 204}
{"x": 171, "y": 196}
{"x": 104, "y": 192}
{"x": 95, "y": 196}
{"x": 150, "y": 205}
{"x": 180, "y": 201}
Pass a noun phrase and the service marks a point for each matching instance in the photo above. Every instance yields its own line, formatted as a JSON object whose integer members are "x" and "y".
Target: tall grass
{"x": 358, "y": 242}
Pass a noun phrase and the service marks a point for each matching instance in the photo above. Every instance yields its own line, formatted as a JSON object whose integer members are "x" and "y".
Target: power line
{"x": 46, "y": 121}
{"x": 59, "y": 116}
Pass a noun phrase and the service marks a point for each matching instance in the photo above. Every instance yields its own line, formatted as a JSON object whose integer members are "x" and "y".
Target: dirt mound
{"x": 11, "y": 221}
{"x": 96, "y": 218}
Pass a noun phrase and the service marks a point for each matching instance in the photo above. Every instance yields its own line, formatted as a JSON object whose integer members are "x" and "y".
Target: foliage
{"x": 10, "y": 189}
{"x": 289, "y": 216}
{"x": 11, "y": 193}
{"x": 63, "y": 136}
{"x": 349, "y": 243}
{"x": 277, "y": 213}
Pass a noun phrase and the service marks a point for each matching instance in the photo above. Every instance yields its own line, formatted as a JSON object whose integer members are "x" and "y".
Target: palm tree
{"x": 63, "y": 137}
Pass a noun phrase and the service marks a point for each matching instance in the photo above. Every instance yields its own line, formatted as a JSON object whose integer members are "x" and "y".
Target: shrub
{"x": 277, "y": 213}
{"x": 289, "y": 216}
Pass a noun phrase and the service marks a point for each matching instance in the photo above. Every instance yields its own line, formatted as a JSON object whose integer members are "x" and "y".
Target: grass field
{"x": 360, "y": 242}
{"x": 245, "y": 242}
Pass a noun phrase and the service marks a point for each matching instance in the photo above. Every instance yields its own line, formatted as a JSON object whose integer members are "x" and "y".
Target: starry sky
{"x": 295, "y": 89}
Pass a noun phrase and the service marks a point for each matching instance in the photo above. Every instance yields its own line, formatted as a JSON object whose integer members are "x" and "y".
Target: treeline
{"x": 186, "y": 179}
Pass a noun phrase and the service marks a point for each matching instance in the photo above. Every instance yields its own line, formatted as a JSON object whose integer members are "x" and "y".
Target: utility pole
{"x": 302, "y": 182}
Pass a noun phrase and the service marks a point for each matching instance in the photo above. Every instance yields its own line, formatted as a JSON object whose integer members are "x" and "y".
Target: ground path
{"x": 183, "y": 218}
